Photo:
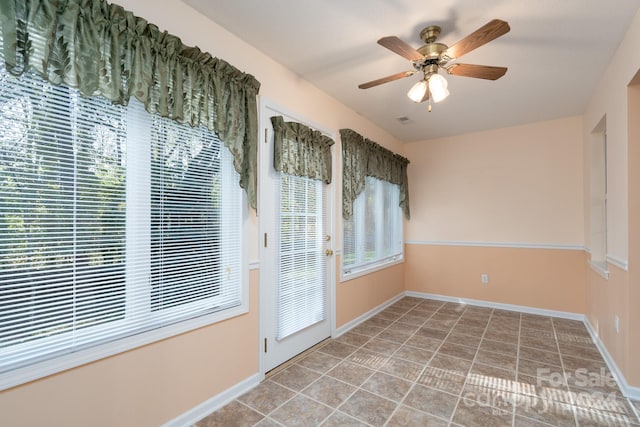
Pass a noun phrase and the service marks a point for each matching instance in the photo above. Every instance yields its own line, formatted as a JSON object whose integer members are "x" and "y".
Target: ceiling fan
{"x": 433, "y": 56}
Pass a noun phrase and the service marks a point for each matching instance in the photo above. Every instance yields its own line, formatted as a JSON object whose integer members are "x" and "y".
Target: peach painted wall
{"x": 615, "y": 100}
{"x": 605, "y": 297}
{"x": 504, "y": 202}
{"x": 632, "y": 329}
{"x": 520, "y": 184}
{"x": 153, "y": 384}
{"x": 147, "y": 386}
{"x": 357, "y": 296}
{"x": 550, "y": 279}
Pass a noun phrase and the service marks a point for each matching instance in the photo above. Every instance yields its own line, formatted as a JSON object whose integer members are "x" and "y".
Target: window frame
{"x": 51, "y": 363}
{"x": 598, "y": 256}
{"x": 364, "y": 268}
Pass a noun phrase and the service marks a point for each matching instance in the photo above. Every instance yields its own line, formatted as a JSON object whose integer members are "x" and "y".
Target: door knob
{"x": 328, "y": 252}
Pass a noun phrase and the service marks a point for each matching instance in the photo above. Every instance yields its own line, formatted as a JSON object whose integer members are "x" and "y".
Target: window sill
{"x": 359, "y": 272}
{"x": 601, "y": 268}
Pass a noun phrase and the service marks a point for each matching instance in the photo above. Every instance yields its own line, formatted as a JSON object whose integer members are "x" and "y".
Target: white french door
{"x": 296, "y": 272}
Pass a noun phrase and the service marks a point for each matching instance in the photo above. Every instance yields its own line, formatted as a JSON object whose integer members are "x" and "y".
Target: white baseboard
{"x": 216, "y": 402}
{"x": 355, "y": 322}
{"x": 501, "y": 306}
{"x": 629, "y": 391}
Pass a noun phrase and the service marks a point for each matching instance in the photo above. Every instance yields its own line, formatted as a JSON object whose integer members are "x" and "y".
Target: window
{"x": 598, "y": 190}
{"x": 113, "y": 222}
{"x": 373, "y": 235}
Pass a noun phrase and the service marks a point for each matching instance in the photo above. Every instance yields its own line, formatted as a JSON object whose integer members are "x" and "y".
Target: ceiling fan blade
{"x": 478, "y": 71}
{"x": 386, "y": 79}
{"x": 479, "y": 37}
{"x": 396, "y": 45}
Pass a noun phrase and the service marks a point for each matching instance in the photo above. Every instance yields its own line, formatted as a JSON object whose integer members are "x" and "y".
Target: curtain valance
{"x": 301, "y": 151}
{"x": 102, "y": 49}
{"x": 362, "y": 157}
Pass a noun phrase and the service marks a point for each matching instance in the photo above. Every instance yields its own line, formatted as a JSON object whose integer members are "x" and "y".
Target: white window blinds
{"x": 62, "y": 228}
{"x": 373, "y": 234}
{"x": 113, "y": 222}
{"x": 194, "y": 249}
{"x": 303, "y": 264}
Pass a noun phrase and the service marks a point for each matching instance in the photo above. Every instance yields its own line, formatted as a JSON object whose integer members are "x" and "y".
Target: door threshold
{"x": 295, "y": 358}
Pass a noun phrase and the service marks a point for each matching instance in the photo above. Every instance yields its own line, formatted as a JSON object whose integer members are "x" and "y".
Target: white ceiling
{"x": 556, "y": 52}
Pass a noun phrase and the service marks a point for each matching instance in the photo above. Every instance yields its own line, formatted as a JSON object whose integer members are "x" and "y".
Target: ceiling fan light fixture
{"x": 418, "y": 90}
{"x": 438, "y": 87}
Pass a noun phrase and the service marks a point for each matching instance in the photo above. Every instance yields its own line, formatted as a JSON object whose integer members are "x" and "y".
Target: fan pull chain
{"x": 429, "y": 109}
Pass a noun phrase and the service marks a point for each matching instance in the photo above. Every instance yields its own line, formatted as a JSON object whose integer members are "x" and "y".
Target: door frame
{"x": 268, "y": 108}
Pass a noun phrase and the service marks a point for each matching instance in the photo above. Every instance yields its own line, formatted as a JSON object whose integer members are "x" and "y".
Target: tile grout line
{"x": 575, "y": 394}
{"x": 394, "y": 352}
{"x": 300, "y": 393}
{"x": 414, "y": 382}
{"x": 634, "y": 409}
{"x": 426, "y": 364}
{"x": 378, "y": 369}
{"x": 357, "y": 388}
{"x": 317, "y": 347}
{"x": 344, "y": 359}
{"x": 422, "y": 371}
{"x": 466, "y": 378}
{"x": 450, "y": 421}
{"x": 513, "y": 419}
{"x": 574, "y": 406}
{"x": 295, "y": 360}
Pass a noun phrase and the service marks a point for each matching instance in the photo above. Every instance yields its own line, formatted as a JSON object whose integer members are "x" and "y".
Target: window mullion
{"x": 227, "y": 241}
{"x": 359, "y": 211}
{"x": 73, "y": 118}
{"x": 379, "y": 219}
{"x": 138, "y": 229}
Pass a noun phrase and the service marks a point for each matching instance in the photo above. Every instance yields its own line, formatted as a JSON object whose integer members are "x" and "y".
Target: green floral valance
{"x": 102, "y": 49}
{"x": 362, "y": 157}
{"x": 301, "y": 151}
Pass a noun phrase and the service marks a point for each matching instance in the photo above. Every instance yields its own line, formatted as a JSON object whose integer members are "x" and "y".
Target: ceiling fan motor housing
{"x": 432, "y": 57}
{"x": 432, "y": 50}
{"x": 430, "y": 34}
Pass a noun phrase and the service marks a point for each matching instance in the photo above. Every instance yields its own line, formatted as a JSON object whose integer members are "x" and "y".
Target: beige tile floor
{"x": 423, "y": 362}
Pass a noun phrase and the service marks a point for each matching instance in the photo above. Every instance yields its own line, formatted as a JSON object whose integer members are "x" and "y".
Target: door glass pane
{"x": 302, "y": 263}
